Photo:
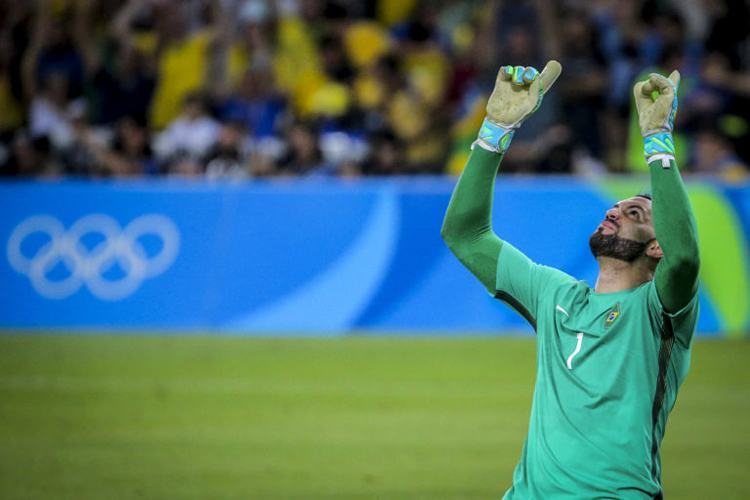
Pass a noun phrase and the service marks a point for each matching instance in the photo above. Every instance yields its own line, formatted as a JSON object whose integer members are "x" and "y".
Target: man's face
{"x": 626, "y": 231}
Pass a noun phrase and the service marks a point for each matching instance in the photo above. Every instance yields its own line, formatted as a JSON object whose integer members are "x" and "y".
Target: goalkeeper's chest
{"x": 599, "y": 339}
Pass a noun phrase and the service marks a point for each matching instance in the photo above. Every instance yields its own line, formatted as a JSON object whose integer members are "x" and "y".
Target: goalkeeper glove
{"x": 656, "y": 103}
{"x": 517, "y": 94}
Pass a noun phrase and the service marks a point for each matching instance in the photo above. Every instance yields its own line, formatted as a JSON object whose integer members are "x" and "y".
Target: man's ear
{"x": 653, "y": 250}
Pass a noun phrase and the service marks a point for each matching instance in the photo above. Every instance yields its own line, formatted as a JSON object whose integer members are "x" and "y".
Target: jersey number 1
{"x": 576, "y": 351}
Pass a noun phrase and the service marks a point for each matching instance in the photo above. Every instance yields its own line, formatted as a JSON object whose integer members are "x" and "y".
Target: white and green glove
{"x": 656, "y": 102}
{"x": 517, "y": 94}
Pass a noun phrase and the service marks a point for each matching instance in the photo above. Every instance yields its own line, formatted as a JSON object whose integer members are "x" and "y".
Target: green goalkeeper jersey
{"x": 608, "y": 365}
{"x": 608, "y": 369}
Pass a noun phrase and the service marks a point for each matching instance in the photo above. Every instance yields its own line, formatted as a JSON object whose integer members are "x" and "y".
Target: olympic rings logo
{"x": 89, "y": 266}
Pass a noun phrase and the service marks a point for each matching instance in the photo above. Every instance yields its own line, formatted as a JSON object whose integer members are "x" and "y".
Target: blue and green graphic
{"x": 314, "y": 257}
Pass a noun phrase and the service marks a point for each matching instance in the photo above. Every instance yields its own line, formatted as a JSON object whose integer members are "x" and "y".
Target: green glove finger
{"x": 518, "y": 75}
{"x": 648, "y": 89}
{"x": 506, "y": 73}
{"x": 660, "y": 83}
{"x": 529, "y": 74}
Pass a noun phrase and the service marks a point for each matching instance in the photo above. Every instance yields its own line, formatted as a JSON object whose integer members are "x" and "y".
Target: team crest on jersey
{"x": 612, "y": 316}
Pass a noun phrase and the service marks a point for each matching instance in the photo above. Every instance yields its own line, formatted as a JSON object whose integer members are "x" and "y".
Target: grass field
{"x": 92, "y": 417}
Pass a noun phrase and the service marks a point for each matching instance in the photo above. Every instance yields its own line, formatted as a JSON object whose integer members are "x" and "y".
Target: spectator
{"x": 182, "y": 54}
{"x": 50, "y": 68}
{"x": 30, "y": 157}
{"x": 255, "y": 104}
{"x": 125, "y": 89}
{"x": 304, "y": 155}
{"x": 130, "y": 154}
{"x": 11, "y": 112}
{"x": 545, "y": 134}
{"x": 94, "y": 152}
{"x": 715, "y": 154}
{"x": 386, "y": 155}
{"x": 228, "y": 158}
{"x": 254, "y": 45}
{"x": 49, "y": 112}
{"x": 253, "y": 88}
{"x": 53, "y": 51}
{"x": 583, "y": 90}
{"x": 183, "y": 165}
{"x": 193, "y": 132}
{"x": 79, "y": 156}
{"x": 121, "y": 86}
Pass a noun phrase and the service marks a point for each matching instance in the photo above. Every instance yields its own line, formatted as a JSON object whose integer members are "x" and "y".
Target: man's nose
{"x": 613, "y": 214}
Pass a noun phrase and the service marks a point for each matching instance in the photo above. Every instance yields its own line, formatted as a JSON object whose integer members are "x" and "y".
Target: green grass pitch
{"x": 92, "y": 417}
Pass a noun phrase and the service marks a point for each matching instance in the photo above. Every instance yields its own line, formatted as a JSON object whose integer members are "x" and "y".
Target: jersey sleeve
{"x": 680, "y": 324}
{"x": 520, "y": 282}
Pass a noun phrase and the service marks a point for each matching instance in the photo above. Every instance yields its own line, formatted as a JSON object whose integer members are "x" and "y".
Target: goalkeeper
{"x": 609, "y": 359}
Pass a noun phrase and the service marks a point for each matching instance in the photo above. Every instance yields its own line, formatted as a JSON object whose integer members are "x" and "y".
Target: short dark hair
{"x": 643, "y": 195}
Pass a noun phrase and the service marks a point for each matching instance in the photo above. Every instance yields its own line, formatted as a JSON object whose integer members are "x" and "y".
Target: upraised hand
{"x": 656, "y": 103}
{"x": 518, "y": 92}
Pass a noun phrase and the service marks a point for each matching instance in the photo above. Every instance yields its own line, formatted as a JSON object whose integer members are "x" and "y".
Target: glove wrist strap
{"x": 659, "y": 146}
{"x": 494, "y": 137}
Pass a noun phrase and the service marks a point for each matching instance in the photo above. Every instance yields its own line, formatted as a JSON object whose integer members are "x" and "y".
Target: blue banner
{"x": 303, "y": 257}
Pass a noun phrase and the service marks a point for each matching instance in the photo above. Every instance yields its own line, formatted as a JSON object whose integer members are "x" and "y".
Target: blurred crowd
{"x": 258, "y": 88}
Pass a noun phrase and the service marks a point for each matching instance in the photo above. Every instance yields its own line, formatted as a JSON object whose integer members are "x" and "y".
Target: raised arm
{"x": 41, "y": 26}
{"x": 83, "y": 37}
{"x": 676, "y": 276}
{"x": 467, "y": 227}
{"x": 222, "y": 31}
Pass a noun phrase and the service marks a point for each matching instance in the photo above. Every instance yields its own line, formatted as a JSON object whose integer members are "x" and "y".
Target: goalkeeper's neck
{"x": 616, "y": 275}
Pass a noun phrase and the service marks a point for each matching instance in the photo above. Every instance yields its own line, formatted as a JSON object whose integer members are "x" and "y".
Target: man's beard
{"x": 611, "y": 245}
